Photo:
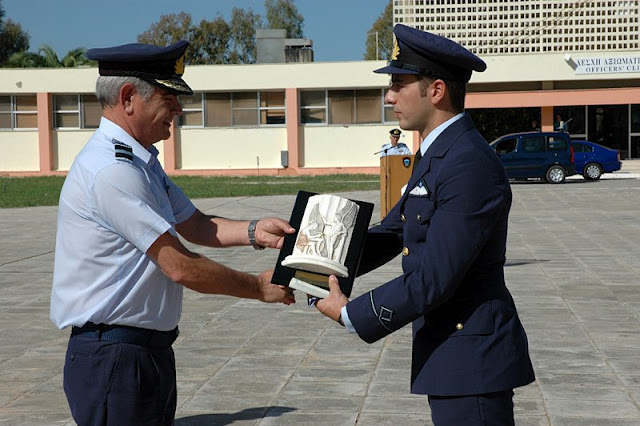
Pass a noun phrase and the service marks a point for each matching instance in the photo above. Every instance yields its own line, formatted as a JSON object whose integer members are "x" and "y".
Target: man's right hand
{"x": 274, "y": 293}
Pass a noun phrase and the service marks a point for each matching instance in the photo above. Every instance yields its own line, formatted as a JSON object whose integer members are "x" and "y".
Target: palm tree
{"x": 24, "y": 60}
{"x": 76, "y": 58}
{"x": 50, "y": 57}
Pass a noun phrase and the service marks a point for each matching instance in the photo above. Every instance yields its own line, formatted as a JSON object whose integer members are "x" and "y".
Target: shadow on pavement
{"x": 229, "y": 418}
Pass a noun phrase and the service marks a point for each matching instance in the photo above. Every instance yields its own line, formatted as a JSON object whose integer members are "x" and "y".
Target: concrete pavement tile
{"x": 353, "y": 363}
{"x": 530, "y": 407}
{"x": 62, "y": 418}
{"x": 295, "y": 418}
{"x": 321, "y": 404}
{"x": 599, "y": 379}
{"x": 583, "y": 392}
{"x": 218, "y": 402}
{"x": 394, "y": 419}
{"x": 530, "y": 420}
{"x": 590, "y": 421}
{"x": 407, "y": 403}
{"x": 600, "y": 411}
{"x": 391, "y": 382}
{"x": 326, "y": 388}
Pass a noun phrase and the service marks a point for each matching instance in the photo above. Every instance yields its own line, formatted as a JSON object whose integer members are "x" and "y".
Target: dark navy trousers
{"x": 112, "y": 383}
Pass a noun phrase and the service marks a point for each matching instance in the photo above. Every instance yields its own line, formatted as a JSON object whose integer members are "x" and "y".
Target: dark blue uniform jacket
{"x": 451, "y": 227}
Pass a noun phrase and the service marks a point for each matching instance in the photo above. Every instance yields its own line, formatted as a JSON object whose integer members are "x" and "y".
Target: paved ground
{"x": 573, "y": 268}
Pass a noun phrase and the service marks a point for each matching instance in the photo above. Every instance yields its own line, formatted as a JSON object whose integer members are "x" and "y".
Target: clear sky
{"x": 338, "y": 28}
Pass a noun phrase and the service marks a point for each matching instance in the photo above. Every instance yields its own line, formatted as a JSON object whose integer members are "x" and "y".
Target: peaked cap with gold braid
{"x": 420, "y": 52}
{"x": 160, "y": 66}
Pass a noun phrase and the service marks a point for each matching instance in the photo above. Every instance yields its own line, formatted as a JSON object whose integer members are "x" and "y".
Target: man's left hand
{"x": 331, "y": 305}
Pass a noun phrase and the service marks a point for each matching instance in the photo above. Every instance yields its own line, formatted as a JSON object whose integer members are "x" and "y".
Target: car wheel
{"x": 556, "y": 174}
{"x": 592, "y": 171}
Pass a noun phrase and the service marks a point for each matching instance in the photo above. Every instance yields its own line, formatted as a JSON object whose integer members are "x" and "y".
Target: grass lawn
{"x": 44, "y": 191}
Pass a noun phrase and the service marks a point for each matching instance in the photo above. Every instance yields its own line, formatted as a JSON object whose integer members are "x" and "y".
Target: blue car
{"x": 592, "y": 160}
{"x": 539, "y": 155}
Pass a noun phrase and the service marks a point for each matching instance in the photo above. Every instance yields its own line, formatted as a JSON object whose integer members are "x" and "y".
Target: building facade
{"x": 579, "y": 60}
{"x": 494, "y": 27}
{"x": 595, "y": 38}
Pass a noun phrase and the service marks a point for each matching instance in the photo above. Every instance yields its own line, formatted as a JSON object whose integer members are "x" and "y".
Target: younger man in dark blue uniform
{"x": 469, "y": 347}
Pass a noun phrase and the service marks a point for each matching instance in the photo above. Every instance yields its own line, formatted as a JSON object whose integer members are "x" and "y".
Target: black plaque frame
{"x": 283, "y": 275}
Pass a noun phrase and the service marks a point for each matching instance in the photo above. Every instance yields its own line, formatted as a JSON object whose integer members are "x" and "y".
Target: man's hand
{"x": 270, "y": 232}
{"x": 272, "y": 293}
{"x": 331, "y": 305}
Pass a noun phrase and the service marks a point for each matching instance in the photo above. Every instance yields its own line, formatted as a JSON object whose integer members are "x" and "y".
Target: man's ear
{"x": 438, "y": 91}
{"x": 127, "y": 91}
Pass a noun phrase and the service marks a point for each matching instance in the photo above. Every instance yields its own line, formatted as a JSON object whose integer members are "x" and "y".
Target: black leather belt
{"x": 127, "y": 334}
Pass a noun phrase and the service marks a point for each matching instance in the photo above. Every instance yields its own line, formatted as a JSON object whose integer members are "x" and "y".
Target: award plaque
{"x": 329, "y": 237}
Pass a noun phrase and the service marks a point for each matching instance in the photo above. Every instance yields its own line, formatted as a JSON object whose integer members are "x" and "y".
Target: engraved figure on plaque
{"x": 324, "y": 236}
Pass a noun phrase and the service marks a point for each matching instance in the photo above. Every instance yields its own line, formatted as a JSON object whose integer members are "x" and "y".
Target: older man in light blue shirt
{"x": 120, "y": 268}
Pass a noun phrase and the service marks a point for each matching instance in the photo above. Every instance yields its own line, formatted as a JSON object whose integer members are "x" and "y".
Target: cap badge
{"x": 396, "y": 49}
{"x": 180, "y": 65}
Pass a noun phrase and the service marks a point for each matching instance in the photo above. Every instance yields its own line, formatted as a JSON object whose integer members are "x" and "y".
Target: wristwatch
{"x": 252, "y": 235}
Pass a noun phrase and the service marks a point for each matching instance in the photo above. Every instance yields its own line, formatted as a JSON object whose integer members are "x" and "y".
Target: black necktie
{"x": 417, "y": 158}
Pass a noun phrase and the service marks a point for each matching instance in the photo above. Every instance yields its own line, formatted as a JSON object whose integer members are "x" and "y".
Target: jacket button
{"x": 403, "y": 218}
{"x": 418, "y": 217}
{"x": 405, "y": 251}
{"x": 459, "y": 326}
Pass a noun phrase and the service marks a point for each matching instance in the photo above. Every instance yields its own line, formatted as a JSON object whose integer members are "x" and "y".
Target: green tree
{"x": 76, "y": 58}
{"x": 210, "y": 42}
{"x": 383, "y": 28}
{"x": 243, "y": 36}
{"x": 50, "y": 56}
{"x": 170, "y": 29}
{"x": 12, "y": 38}
{"x": 24, "y": 59}
{"x": 283, "y": 15}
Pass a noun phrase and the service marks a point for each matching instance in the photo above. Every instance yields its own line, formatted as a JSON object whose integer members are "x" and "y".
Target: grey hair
{"x": 108, "y": 88}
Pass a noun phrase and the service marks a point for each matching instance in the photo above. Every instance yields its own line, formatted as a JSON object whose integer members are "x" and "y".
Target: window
{"x": 18, "y": 112}
{"x": 506, "y": 146}
{"x": 533, "y": 144}
{"x": 581, "y": 147}
{"x": 557, "y": 144}
{"x": 313, "y": 106}
{"x": 76, "y": 112}
{"x": 191, "y": 110}
{"x": 233, "y": 109}
{"x": 362, "y": 106}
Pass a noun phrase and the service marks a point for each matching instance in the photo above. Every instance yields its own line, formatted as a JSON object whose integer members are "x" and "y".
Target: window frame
{"x": 79, "y": 111}
{"x": 233, "y": 108}
{"x": 383, "y": 109}
{"x": 14, "y": 112}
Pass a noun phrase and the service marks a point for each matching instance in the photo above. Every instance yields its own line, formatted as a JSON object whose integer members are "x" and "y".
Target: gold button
{"x": 405, "y": 251}
{"x": 403, "y": 218}
{"x": 459, "y": 326}
{"x": 418, "y": 217}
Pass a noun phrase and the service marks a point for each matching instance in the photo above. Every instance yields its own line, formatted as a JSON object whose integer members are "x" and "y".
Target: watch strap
{"x": 252, "y": 234}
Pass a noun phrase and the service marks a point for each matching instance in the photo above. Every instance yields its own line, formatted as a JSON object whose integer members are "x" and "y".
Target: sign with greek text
{"x": 607, "y": 65}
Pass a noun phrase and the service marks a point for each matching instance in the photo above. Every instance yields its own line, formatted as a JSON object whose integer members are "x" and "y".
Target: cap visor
{"x": 177, "y": 85}
{"x": 394, "y": 70}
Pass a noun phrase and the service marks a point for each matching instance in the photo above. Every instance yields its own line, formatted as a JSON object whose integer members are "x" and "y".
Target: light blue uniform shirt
{"x": 399, "y": 149}
{"x": 116, "y": 201}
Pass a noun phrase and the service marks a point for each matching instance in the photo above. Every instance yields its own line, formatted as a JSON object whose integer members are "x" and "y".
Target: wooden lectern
{"x": 395, "y": 171}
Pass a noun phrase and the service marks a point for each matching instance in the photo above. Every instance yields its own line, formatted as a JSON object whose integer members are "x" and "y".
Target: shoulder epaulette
{"x": 123, "y": 152}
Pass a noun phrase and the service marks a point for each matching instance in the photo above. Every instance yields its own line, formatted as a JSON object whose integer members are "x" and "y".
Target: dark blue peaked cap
{"x": 160, "y": 66}
{"x": 420, "y": 52}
